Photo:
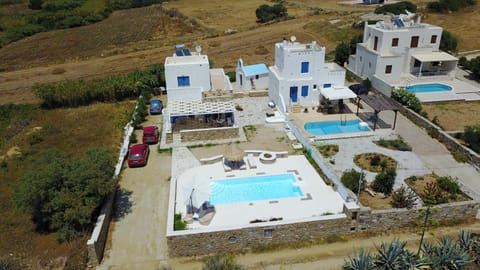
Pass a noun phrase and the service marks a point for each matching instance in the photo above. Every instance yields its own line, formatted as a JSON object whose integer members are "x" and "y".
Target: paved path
{"x": 435, "y": 155}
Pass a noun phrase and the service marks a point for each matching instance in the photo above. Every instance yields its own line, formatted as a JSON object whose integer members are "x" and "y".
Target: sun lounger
{"x": 206, "y": 212}
{"x": 252, "y": 163}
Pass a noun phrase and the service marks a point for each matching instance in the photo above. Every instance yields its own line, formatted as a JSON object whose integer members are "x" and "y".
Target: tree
{"x": 472, "y": 137}
{"x": 62, "y": 195}
{"x": 351, "y": 178}
{"x": 448, "y": 42}
{"x": 384, "y": 181}
{"x": 35, "y": 4}
{"x": 342, "y": 52}
{"x": 266, "y": 13}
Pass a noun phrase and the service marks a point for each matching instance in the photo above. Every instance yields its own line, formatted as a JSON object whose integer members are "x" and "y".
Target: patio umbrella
{"x": 196, "y": 191}
{"x": 233, "y": 153}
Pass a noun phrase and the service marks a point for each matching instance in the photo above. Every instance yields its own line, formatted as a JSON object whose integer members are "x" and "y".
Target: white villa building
{"x": 301, "y": 78}
{"x": 188, "y": 80}
{"x": 400, "y": 52}
{"x": 252, "y": 77}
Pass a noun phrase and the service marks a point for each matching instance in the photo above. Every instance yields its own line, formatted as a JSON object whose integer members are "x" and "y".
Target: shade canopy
{"x": 233, "y": 152}
{"x": 196, "y": 190}
{"x": 335, "y": 93}
{"x": 434, "y": 57}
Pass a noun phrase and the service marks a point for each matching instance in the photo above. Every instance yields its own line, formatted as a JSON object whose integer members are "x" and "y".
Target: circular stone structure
{"x": 267, "y": 157}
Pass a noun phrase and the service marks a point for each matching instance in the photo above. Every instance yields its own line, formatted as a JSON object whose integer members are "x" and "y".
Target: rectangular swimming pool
{"x": 254, "y": 188}
{"x": 334, "y": 127}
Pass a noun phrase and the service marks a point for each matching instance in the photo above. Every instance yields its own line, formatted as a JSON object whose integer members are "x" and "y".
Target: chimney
{"x": 419, "y": 19}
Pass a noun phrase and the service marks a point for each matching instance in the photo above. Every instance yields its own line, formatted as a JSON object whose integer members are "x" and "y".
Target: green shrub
{"x": 266, "y": 13}
{"x": 397, "y": 8}
{"x": 61, "y": 5}
{"x": 433, "y": 194}
{"x": 408, "y": 99}
{"x": 403, "y": 197}
{"x": 35, "y": 139}
{"x": 222, "y": 263}
{"x": 351, "y": 178}
{"x": 448, "y": 184}
{"x": 448, "y": 42}
{"x": 133, "y": 138}
{"x": 472, "y": 137}
{"x": 35, "y": 4}
{"x": 375, "y": 161}
{"x": 178, "y": 223}
{"x": 384, "y": 181}
{"x": 444, "y": 6}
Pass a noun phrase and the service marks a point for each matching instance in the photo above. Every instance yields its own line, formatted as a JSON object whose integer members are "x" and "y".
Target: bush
{"x": 397, "y": 8}
{"x": 221, "y": 263}
{"x": 178, "y": 223}
{"x": 266, "y": 13}
{"x": 444, "y": 6}
{"x": 375, "y": 161}
{"x": 384, "y": 181}
{"x": 35, "y": 139}
{"x": 61, "y": 5}
{"x": 448, "y": 42}
{"x": 472, "y": 137}
{"x": 403, "y": 197}
{"x": 342, "y": 52}
{"x": 408, "y": 99}
{"x": 433, "y": 194}
{"x": 351, "y": 178}
{"x": 63, "y": 195}
{"x": 35, "y": 4}
{"x": 448, "y": 184}
{"x": 231, "y": 75}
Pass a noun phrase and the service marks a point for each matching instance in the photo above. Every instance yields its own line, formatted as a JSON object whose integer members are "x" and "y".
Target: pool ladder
{"x": 343, "y": 120}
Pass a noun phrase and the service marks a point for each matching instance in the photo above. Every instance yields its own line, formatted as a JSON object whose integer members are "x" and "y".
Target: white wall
{"x": 199, "y": 74}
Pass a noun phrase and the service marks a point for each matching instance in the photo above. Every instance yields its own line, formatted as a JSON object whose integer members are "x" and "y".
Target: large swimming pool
{"x": 428, "y": 87}
{"x": 255, "y": 188}
{"x": 334, "y": 127}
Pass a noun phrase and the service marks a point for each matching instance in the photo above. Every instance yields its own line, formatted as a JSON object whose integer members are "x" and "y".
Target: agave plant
{"x": 465, "y": 240}
{"x": 392, "y": 256}
{"x": 449, "y": 254}
{"x": 361, "y": 261}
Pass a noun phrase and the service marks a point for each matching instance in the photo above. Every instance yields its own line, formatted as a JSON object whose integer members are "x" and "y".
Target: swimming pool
{"x": 255, "y": 188}
{"x": 334, "y": 127}
{"x": 428, "y": 87}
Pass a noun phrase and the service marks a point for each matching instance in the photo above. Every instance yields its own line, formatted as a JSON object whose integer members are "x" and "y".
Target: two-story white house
{"x": 251, "y": 77}
{"x": 301, "y": 77}
{"x": 399, "y": 52}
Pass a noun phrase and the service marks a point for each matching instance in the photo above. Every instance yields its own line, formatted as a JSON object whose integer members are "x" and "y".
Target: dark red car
{"x": 150, "y": 134}
{"x": 138, "y": 155}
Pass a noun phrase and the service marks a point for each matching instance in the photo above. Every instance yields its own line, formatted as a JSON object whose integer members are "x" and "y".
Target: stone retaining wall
{"x": 209, "y": 134}
{"x": 189, "y": 243}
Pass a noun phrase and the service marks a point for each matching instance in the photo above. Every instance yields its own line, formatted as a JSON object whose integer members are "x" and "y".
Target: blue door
{"x": 294, "y": 93}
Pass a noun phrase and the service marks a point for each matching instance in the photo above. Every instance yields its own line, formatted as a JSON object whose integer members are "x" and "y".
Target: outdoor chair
{"x": 206, "y": 212}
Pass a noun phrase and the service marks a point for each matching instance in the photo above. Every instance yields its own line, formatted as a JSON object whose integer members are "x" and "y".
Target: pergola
{"x": 379, "y": 103}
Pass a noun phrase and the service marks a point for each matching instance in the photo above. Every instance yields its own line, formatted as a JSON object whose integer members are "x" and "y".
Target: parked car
{"x": 150, "y": 134}
{"x": 156, "y": 106}
{"x": 138, "y": 155}
{"x": 359, "y": 89}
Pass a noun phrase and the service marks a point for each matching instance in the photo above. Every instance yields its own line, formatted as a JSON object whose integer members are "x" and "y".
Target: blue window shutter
{"x": 304, "y": 90}
{"x": 183, "y": 81}
{"x": 327, "y": 85}
{"x": 305, "y": 67}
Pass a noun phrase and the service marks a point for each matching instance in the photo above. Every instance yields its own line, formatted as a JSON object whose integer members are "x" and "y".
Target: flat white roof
{"x": 322, "y": 199}
{"x": 192, "y": 59}
{"x": 337, "y": 92}
{"x": 434, "y": 56}
{"x": 193, "y": 107}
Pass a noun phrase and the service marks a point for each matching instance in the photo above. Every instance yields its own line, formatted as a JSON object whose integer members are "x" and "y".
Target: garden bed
{"x": 374, "y": 162}
{"x": 397, "y": 144}
{"x": 327, "y": 150}
{"x": 431, "y": 192}
{"x": 379, "y": 201}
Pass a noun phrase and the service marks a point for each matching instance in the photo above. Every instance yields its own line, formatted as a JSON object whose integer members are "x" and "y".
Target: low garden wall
{"x": 190, "y": 243}
{"x": 209, "y": 134}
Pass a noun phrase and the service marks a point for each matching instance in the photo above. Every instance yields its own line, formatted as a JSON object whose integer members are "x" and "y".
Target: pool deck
{"x": 462, "y": 91}
{"x": 318, "y": 198}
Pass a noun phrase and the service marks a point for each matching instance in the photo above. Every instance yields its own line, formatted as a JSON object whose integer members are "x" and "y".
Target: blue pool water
{"x": 254, "y": 189}
{"x": 428, "y": 87}
{"x": 334, "y": 127}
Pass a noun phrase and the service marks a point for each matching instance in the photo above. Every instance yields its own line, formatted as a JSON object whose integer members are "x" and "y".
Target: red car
{"x": 138, "y": 155}
{"x": 150, "y": 134}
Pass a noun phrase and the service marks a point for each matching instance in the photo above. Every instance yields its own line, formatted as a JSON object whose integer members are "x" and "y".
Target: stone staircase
{"x": 177, "y": 139}
{"x": 296, "y": 108}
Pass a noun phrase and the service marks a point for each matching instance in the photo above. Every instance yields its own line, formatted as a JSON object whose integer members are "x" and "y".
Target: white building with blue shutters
{"x": 301, "y": 77}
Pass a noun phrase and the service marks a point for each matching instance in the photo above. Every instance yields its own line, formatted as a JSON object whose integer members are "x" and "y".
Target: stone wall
{"x": 258, "y": 93}
{"x": 450, "y": 142}
{"x": 186, "y": 243}
{"x": 209, "y": 134}
{"x": 189, "y": 243}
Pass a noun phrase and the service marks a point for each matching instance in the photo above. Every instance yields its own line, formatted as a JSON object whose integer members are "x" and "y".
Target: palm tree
{"x": 361, "y": 261}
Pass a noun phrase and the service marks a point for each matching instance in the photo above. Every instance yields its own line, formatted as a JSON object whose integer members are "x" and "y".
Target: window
{"x": 256, "y": 77}
{"x": 414, "y": 42}
{"x": 183, "y": 81}
{"x": 388, "y": 69}
{"x": 327, "y": 85}
{"x": 314, "y": 86}
{"x": 433, "y": 40}
{"x": 394, "y": 42}
{"x": 304, "y": 90}
{"x": 305, "y": 67}
{"x": 268, "y": 233}
{"x": 375, "y": 43}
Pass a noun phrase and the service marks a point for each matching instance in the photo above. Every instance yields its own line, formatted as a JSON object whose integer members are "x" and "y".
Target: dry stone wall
{"x": 209, "y": 134}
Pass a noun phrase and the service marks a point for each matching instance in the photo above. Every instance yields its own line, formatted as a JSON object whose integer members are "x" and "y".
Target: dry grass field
{"x": 454, "y": 116}
{"x": 71, "y": 131}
